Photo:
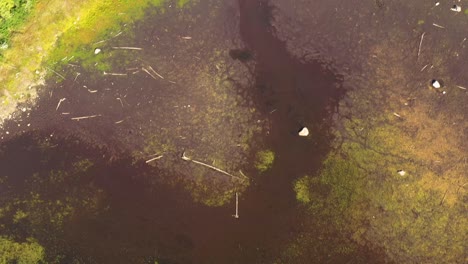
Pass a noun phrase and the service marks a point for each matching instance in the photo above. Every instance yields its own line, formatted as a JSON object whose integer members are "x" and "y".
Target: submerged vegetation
{"x": 394, "y": 183}
{"x": 264, "y": 160}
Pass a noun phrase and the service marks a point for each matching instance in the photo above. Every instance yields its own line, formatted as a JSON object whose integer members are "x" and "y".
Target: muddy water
{"x": 138, "y": 224}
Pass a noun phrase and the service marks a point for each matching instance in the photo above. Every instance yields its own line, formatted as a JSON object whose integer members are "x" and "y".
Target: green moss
{"x": 264, "y": 160}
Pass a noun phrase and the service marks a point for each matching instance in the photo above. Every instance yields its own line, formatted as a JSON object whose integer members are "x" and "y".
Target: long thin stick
{"x": 60, "y": 101}
{"x": 237, "y": 206}
{"x": 60, "y": 75}
{"x": 153, "y": 159}
{"x": 84, "y": 117}
{"x": 127, "y": 48}
{"x": 208, "y": 166}
{"x": 115, "y": 74}
{"x": 152, "y": 76}
{"x": 159, "y": 75}
{"x": 420, "y": 43}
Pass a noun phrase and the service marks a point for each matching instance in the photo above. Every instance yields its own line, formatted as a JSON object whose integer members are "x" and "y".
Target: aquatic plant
{"x": 264, "y": 160}
{"x": 20, "y": 252}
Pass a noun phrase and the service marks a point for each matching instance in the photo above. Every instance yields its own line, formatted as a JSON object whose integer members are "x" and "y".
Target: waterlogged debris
{"x": 401, "y": 172}
{"x": 436, "y": 84}
{"x": 304, "y": 132}
{"x": 97, "y": 51}
{"x": 456, "y": 8}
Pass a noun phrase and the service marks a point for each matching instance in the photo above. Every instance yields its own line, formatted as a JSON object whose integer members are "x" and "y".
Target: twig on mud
{"x": 118, "y": 98}
{"x": 461, "y": 87}
{"x": 118, "y": 122}
{"x": 159, "y": 75}
{"x": 437, "y": 25}
{"x": 84, "y": 117}
{"x": 397, "y": 115}
{"x": 209, "y": 166}
{"x": 60, "y": 102}
{"x": 127, "y": 48}
{"x": 58, "y": 74}
{"x": 420, "y": 43}
{"x": 153, "y": 159}
{"x": 186, "y": 38}
{"x": 115, "y": 74}
{"x": 425, "y": 66}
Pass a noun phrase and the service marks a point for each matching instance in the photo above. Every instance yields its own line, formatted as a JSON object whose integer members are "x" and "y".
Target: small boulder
{"x": 436, "y": 84}
{"x": 401, "y": 172}
{"x": 304, "y": 132}
{"x": 456, "y": 8}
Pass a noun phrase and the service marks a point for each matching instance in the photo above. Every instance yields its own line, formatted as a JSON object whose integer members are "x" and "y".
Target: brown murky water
{"x": 139, "y": 223}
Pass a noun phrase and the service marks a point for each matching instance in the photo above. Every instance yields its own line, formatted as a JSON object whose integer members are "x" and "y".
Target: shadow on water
{"x": 136, "y": 221}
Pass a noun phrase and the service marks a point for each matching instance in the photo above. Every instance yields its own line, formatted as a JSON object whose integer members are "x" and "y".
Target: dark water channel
{"x": 141, "y": 225}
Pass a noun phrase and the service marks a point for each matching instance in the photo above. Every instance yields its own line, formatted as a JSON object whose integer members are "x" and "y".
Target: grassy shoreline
{"x": 71, "y": 23}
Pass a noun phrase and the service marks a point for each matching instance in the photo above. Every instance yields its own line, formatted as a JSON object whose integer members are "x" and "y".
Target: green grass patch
{"x": 13, "y": 13}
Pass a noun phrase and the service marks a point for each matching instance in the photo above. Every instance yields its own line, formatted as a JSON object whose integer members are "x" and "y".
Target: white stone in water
{"x": 436, "y": 84}
{"x": 97, "y": 51}
{"x": 456, "y": 8}
{"x": 402, "y": 172}
{"x": 304, "y": 132}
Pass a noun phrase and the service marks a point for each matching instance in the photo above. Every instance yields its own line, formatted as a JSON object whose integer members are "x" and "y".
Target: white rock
{"x": 97, "y": 51}
{"x": 402, "y": 172}
{"x": 456, "y": 8}
{"x": 304, "y": 132}
{"x": 436, "y": 84}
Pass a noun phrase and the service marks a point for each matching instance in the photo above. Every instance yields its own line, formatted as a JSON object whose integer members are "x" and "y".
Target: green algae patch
{"x": 264, "y": 160}
{"x": 26, "y": 252}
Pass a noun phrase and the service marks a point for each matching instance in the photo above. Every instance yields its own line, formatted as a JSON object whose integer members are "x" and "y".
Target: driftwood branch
{"x": 209, "y": 166}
